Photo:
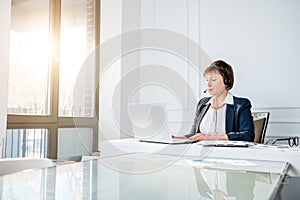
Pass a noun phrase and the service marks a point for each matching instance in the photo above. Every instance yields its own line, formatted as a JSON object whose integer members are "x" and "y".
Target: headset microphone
{"x": 204, "y": 91}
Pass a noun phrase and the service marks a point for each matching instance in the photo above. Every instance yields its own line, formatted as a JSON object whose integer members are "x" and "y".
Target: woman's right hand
{"x": 178, "y": 137}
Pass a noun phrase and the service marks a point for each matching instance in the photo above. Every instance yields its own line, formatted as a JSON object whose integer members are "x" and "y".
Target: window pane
{"x": 73, "y": 143}
{"x": 29, "y": 51}
{"x": 30, "y": 143}
{"x": 76, "y": 69}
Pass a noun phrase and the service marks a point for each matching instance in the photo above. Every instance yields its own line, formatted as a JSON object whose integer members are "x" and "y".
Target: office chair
{"x": 261, "y": 120}
{"x": 13, "y": 165}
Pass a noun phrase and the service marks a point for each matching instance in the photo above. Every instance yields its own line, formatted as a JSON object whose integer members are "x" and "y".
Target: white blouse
{"x": 214, "y": 120}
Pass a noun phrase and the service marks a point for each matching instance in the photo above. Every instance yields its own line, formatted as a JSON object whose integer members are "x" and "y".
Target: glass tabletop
{"x": 146, "y": 176}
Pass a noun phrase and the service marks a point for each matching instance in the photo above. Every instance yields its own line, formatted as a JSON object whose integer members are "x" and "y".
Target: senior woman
{"x": 221, "y": 116}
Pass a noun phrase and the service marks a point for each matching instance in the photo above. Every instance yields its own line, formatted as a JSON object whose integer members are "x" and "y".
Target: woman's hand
{"x": 198, "y": 136}
{"x": 178, "y": 137}
{"x": 203, "y": 136}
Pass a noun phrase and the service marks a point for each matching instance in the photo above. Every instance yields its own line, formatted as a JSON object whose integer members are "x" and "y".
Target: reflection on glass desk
{"x": 143, "y": 176}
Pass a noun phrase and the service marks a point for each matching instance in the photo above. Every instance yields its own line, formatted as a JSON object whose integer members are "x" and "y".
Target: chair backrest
{"x": 12, "y": 165}
{"x": 261, "y": 120}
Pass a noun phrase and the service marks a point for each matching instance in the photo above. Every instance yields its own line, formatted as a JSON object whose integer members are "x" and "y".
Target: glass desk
{"x": 147, "y": 176}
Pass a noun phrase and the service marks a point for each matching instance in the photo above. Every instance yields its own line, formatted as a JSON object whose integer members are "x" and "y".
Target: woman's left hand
{"x": 203, "y": 136}
{"x": 198, "y": 136}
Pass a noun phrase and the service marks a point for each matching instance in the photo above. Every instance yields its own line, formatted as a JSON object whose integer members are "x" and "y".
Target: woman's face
{"x": 214, "y": 83}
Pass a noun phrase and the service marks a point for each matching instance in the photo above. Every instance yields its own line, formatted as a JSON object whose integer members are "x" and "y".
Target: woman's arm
{"x": 244, "y": 126}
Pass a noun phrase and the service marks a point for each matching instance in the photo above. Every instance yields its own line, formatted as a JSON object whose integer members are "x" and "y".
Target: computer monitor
{"x": 150, "y": 124}
{"x": 149, "y": 120}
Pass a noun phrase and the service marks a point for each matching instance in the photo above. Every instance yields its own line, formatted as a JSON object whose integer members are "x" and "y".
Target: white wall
{"x": 180, "y": 20}
{"x": 131, "y": 15}
{"x": 261, "y": 40}
{"x": 4, "y": 58}
{"x": 111, "y": 26}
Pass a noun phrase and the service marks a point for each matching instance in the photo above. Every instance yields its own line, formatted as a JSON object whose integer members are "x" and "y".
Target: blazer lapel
{"x": 229, "y": 118}
{"x": 201, "y": 115}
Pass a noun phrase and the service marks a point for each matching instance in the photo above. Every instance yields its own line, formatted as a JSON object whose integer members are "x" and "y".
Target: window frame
{"x": 53, "y": 121}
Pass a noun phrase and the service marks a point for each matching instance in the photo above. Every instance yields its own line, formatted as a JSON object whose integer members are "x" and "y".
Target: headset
{"x": 225, "y": 73}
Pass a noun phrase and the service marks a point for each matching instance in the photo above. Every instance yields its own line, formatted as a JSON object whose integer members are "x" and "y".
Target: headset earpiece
{"x": 225, "y": 81}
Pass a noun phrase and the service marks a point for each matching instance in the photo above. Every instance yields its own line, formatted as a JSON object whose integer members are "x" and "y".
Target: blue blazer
{"x": 239, "y": 121}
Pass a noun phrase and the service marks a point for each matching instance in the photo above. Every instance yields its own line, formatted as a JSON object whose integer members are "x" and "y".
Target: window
{"x": 52, "y": 90}
{"x": 26, "y": 143}
{"x": 81, "y": 138}
{"x": 29, "y": 58}
{"x": 76, "y": 83}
